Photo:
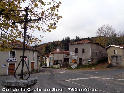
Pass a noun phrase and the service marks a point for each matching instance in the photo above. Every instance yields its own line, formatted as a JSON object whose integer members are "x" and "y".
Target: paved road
{"x": 71, "y": 81}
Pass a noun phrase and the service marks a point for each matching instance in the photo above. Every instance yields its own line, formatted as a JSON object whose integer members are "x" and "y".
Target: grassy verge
{"x": 101, "y": 64}
{"x": 91, "y": 67}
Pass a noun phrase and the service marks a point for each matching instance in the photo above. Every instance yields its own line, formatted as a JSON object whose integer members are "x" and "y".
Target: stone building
{"x": 116, "y": 55}
{"x": 86, "y": 52}
{"x": 59, "y": 57}
{"x": 10, "y": 59}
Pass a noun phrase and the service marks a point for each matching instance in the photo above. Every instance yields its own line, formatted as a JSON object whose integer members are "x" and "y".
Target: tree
{"x": 77, "y": 38}
{"x": 120, "y": 36}
{"x": 106, "y": 31}
{"x": 106, "y": 35}
{"x": 65, "y": 43}
{"x": 101, "y": 40}
{"x": 11, "y": 11}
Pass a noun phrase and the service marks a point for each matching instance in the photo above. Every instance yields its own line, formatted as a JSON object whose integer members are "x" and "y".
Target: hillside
{"x": 46, "y": 48}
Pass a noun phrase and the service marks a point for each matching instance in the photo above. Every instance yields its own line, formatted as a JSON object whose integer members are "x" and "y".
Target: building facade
{"x": 85, "y": 52}
{"x": 10, "y": 59}
{"x": 59, "y": 57}
{"x": 116, "y": 55}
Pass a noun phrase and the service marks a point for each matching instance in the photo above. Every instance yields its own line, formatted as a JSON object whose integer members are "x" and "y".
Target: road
{"x": 80, "y": 81}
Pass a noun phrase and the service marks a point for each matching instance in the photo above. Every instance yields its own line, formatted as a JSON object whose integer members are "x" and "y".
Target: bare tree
{"x": 106, "y": 35}
{"x": 106, "y": 31}
{"x": 120, "y": 34}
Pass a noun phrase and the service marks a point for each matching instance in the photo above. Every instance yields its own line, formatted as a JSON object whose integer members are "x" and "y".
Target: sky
{"x": 83, "y": 17}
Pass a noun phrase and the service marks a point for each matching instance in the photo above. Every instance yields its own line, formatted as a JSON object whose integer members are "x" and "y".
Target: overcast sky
{"x": 83, "y": 17}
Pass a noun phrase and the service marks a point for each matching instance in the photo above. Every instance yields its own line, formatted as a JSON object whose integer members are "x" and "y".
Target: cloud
{"x": 83, "y": 17}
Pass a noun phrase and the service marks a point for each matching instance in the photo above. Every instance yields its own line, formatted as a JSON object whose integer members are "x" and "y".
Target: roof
{"x": 19, "y": 45}
{"x": 119, "y": 46}
{"x": 60, "y": 52}
{"x": 81, "y": 42}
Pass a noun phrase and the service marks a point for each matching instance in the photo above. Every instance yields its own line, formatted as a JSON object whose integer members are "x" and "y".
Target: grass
{"x": 90, "y": 67}
{"x": 101, "y": 64}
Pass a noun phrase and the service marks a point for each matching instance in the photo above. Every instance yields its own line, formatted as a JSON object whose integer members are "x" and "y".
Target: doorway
{"x": 11, "y": 69}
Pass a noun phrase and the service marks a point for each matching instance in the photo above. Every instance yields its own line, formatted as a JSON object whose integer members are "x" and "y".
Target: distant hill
{"x": 46, "y": 48}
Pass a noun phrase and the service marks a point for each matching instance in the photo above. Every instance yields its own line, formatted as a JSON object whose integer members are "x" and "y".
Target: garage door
{"x": 11, "y": 68}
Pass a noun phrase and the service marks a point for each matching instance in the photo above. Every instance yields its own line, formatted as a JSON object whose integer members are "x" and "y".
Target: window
{"x": 12, "y": 54}
{"x": 76, "y": 50}
{"x": 33, "y": 55}
{"x": 115, "y": 51}
{"x": 51, "y": 59}
{"x": 83, "y": 50}
{"x": 56, "y": 62}
{"x": 96, "y": 53}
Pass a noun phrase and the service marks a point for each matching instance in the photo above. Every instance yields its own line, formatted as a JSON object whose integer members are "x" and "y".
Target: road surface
{"x": 79, "y": 81}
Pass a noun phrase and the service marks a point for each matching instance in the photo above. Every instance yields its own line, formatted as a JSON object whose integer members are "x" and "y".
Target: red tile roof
{"x": 19, "y": 45}
{"x": 60, "y": 52}
{"x": 80, "y": 42}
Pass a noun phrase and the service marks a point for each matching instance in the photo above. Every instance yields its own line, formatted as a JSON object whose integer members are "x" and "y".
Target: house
{"x": 46, "y": 61}
{"x": 60, "y": 57}
{"x": 10, "y": 59}
{"x": 85, "y": 52}
{"x": 116, "y": 55}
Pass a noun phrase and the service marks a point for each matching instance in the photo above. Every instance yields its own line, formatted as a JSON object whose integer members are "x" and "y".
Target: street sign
{"x": 74, "y": 66}
{"x": 72, "y": 53}
{"x": 73, "y": 60}
{"x": 74, "y": 57}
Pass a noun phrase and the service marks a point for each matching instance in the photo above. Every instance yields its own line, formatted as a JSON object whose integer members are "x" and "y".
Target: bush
{"x": 110, "y": 65}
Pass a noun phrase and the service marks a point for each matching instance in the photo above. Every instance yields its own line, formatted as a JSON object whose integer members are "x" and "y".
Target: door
{"x": 80, "y": 61}
{"x": 66, "y": 62}
{"x": 32, "y": 65}
{"x": 116, "y": 60}
{"x": 11, "y": 68}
